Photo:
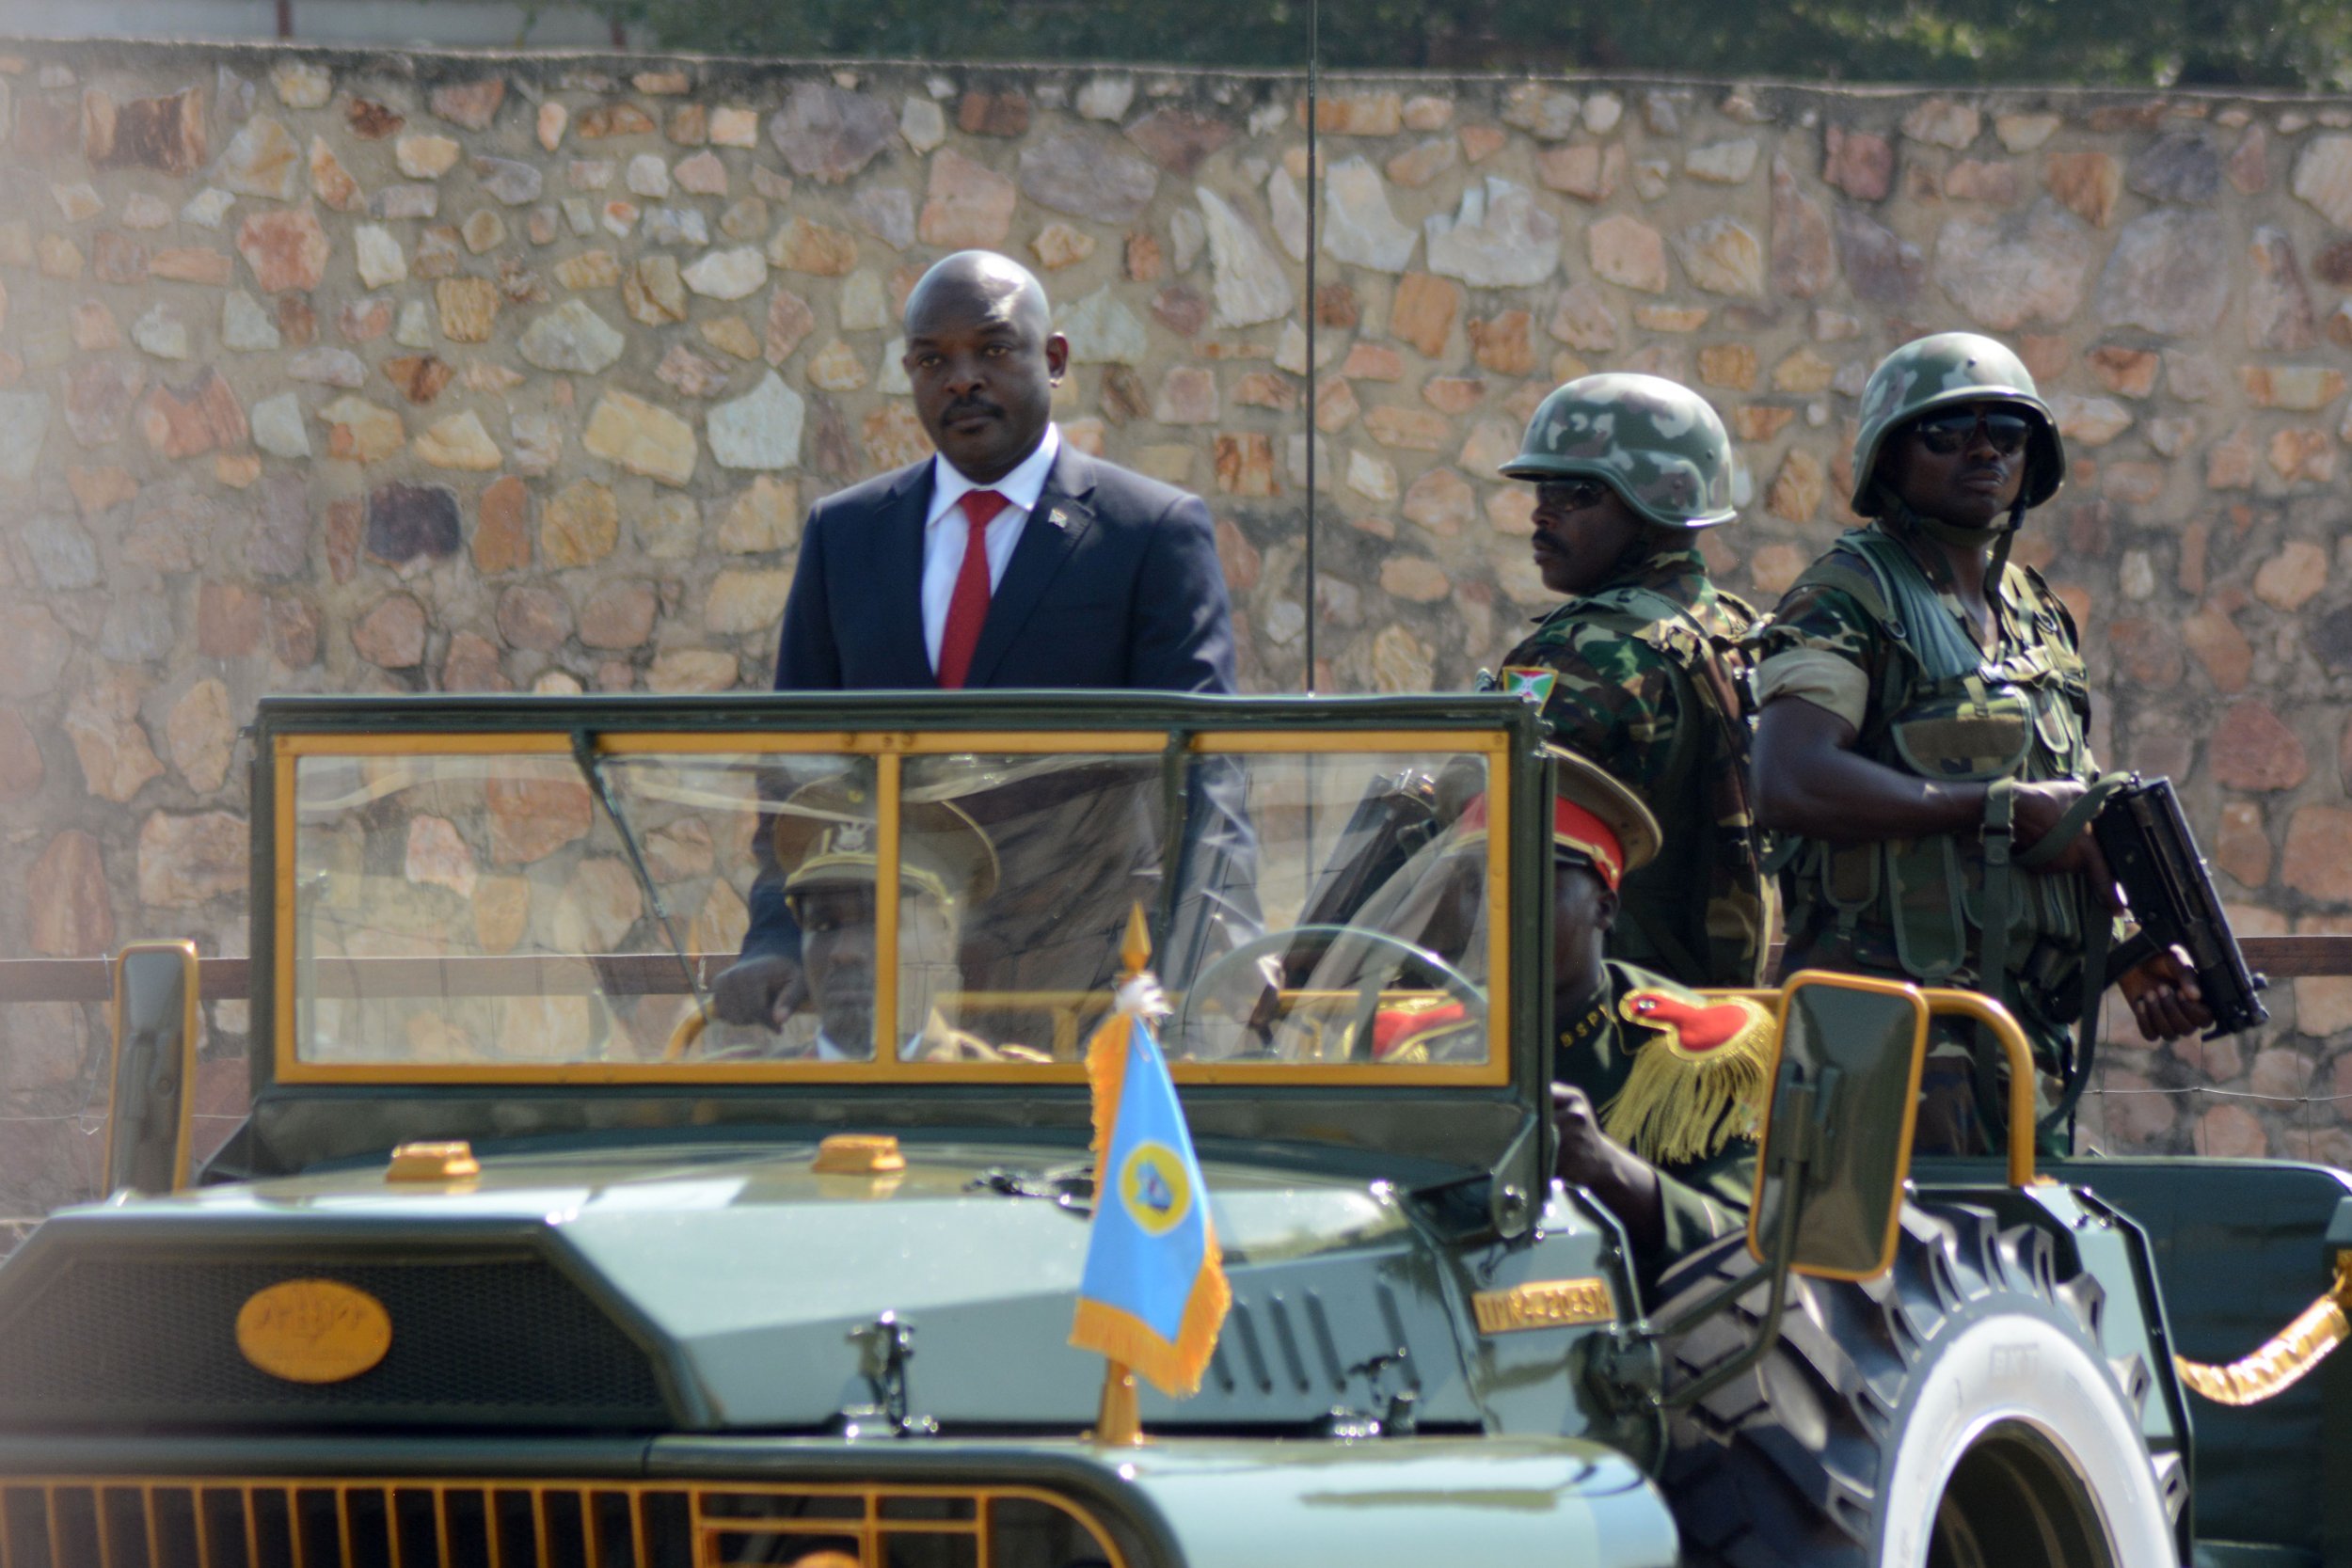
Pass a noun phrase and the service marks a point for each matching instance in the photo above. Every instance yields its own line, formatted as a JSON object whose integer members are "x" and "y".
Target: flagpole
{"x": 1119, "y": 1422}
{"x": 1314, "y": 53}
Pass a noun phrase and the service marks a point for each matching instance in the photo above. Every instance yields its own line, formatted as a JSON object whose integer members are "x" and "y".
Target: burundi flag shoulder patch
{"x": 1530, "y": 681}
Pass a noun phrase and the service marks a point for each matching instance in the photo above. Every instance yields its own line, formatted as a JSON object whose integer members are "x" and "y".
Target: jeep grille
{"x": 504, "y": 1340}
{"x": 127, "y": 1522}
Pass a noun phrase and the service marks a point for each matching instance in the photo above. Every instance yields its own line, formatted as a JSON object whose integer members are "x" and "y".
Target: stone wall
{"x": 409, "y": 372}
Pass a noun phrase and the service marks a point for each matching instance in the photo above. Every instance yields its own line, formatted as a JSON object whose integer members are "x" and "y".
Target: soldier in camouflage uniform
{"x": 1640, "y": 669}
{"x": 1924, "y": 730}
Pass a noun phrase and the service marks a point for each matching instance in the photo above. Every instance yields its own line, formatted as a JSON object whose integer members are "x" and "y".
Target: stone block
{"x": 2167, "y": 274}
{"x": 580, "y": 525}
{"x": 1624, "y": 251}
{"x": 1249, "y": 285}
{"x": 392, "y": 635}
{"x": 801, "y": 245}
{"x": 1859, "y": 162}
{"x": 533, "y": 617}
{"x": 641, "y": 438}
{"x": 166, "y": 134}
{"x": 69, "y": 913}
{"x": 2252, "y": 750}
{"x": 411, "y": 523}
{"x": 2323, "y": 178}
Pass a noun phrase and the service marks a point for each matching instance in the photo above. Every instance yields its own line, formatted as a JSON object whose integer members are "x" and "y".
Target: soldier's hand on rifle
{"x": 2164, "y": 997}
{"x": 1622, "y": 1179}
{"x": 2039, "y": 807}
{"x": 763, "y": 989}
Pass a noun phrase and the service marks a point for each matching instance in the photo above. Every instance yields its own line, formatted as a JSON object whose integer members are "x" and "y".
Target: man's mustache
{"x": 970, "y": 407}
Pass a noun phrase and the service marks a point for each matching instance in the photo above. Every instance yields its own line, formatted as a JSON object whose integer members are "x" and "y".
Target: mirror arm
{"x": 1768, "y": 1332}
{"x": 1792, "y": 1109}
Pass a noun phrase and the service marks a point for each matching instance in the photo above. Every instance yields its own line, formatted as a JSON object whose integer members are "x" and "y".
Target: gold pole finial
{"x": 1120, "y": 1423}
{"x": 1135, "y": 949}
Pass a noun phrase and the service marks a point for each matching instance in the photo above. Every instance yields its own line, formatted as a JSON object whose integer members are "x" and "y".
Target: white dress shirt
{"x": 944, "y": 530}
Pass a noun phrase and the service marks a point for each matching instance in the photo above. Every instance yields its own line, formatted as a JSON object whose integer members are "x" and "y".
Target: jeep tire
{"x": 1958, "y": 1412}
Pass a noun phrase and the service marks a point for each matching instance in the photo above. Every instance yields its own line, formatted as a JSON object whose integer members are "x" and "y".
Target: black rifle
{"x": 2154, "y": 855}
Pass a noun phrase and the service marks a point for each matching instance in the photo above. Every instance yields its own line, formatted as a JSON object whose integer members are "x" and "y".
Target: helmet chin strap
{"x": 2000, "y": 535}
{"x": 1893, "y": 509}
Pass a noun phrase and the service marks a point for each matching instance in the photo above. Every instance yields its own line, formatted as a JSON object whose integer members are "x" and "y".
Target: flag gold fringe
{"x": 1174, "y": 1366}
{"x": 1107, "y": 1074}
{"x": 1679, "y": 1105}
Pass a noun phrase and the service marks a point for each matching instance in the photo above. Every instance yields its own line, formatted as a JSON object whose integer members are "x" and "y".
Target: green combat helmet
{"x": 1660, "y": 445}
{"x": 1944, "y": 369}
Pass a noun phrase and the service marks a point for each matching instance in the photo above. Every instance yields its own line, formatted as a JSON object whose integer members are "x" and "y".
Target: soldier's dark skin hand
{"x": 1626, "y": 1184}
{"x": 2164, "y": 1000}
{"x": 749, "y": 989}
{"x": 1809, "y": 781}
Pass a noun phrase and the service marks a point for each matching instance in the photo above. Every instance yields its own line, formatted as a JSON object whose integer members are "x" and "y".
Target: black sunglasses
{"x": 1946, "y": 433}
{"x": 1570, "y": 495}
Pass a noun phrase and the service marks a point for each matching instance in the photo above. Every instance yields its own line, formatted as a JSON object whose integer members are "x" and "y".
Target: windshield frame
{"x": 886, "y": 728}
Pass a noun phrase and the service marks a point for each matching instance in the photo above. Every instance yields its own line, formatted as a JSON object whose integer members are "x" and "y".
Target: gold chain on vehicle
{"x": 2284, "y": 1359}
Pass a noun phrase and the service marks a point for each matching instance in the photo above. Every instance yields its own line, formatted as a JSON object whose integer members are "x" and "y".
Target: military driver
{"x": 825, "y": 842}
{"x": 1657, "y": 1091}
{"x": 1639, "y": 671}
{"x": 1925, "y": 726}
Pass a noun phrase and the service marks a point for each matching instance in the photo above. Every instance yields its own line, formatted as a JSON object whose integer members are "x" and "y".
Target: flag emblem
{"x": 1154, "y": 1186}
{"x": 1530, "y": 681}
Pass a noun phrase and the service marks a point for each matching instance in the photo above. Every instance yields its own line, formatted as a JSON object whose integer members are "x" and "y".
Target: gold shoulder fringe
{"x": 1682, "y": 1102}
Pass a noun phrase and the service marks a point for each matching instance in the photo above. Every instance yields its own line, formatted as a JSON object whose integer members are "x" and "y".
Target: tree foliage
{"x": 2254, "y": 43}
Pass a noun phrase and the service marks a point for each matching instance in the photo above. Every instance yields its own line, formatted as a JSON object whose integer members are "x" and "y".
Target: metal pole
{"x": 1314, "y": 53}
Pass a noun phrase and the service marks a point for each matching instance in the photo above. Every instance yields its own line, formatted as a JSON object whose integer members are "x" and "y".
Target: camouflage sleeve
{"x": 1612, "y": 701}
{"x": 1821, "y": 647}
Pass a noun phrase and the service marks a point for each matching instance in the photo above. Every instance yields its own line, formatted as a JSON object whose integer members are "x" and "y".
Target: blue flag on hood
{"x": 1153, "y": 1295}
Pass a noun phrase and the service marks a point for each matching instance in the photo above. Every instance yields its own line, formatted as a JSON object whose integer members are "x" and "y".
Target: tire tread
{"x": 1779, "y": 1468}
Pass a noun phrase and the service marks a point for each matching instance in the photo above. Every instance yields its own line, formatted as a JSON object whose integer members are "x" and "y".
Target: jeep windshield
{"x": 465, "y": 905}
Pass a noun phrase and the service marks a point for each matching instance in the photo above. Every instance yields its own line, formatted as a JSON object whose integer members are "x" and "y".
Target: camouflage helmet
{"x": 1660, "y": 445}
{"x": 1942, "y": 371}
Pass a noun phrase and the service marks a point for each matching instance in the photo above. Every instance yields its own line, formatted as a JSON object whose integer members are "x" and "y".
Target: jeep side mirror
{"x": 1834, "y": 1151}
{"x": 1836, "y": 1143}
{"x": 151, "y": 1083}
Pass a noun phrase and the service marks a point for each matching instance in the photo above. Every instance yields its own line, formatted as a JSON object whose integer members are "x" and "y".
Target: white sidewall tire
{"x": 2016, "y": 1368}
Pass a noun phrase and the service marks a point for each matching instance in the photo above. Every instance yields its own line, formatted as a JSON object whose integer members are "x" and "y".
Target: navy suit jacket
{"x": 1114, "y": 583}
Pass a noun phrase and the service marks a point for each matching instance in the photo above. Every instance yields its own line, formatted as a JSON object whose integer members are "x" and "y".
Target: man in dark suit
{"x": 1010, "y": 558}
{"x": 1088, "y": 575}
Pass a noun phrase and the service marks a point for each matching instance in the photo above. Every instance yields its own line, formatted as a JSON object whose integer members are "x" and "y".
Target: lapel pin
{"x": 1059, "y": 518}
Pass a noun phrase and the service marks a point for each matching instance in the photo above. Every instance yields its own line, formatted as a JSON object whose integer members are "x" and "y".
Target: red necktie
{"x": 967, "y": 609}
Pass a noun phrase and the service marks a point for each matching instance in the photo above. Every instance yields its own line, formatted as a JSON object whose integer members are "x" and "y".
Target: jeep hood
{"x": 718, "y": 1289}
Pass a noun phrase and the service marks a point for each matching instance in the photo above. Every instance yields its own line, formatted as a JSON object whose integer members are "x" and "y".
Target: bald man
{"x": 1010, "y": 558}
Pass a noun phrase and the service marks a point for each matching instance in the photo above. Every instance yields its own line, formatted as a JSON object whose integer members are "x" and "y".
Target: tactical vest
{"x": 1942, "y": 709}
{"x": 1700, "y": 909}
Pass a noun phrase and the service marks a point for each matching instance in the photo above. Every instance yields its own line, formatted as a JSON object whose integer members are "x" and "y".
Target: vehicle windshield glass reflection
{"x": 473, "y": 911}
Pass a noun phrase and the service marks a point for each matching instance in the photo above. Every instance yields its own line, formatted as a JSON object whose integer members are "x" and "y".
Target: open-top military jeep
{"x": 525, "y": 1255}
